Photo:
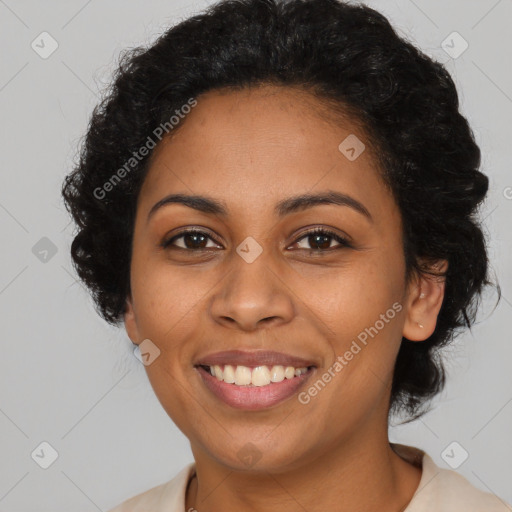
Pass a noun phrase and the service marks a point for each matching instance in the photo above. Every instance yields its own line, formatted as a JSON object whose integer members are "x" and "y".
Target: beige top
{"x": 439, "y": 490}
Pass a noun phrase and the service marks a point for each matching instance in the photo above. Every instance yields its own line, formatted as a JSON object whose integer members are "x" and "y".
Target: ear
{"x": 425, "y": 297}
{"x": 130, "y": 322}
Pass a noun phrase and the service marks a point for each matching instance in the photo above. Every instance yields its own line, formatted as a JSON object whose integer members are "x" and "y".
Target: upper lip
{"x": 254, "y": 358}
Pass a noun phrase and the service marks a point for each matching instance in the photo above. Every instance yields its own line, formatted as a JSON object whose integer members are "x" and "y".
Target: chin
{"x": 245, "y": 454}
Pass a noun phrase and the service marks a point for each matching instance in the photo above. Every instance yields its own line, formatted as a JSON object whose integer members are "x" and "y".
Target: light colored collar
{"x": 439, "y": 489}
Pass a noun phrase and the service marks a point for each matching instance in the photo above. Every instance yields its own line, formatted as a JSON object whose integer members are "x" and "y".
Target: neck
{"x": 354, "y": 477}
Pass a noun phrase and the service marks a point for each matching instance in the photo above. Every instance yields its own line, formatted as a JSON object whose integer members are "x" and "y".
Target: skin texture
{"x": 250, "y": 149}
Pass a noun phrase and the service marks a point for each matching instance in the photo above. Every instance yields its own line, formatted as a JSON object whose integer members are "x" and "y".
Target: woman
{"x": 277, "y": 199}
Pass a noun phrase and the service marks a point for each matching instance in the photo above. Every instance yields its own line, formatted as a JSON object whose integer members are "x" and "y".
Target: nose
{"x": 252, "y": 296}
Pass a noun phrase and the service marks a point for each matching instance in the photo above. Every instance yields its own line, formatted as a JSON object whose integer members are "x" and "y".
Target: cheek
{"x": 361, "y": 307}
{"x": 166, "y": 295}
{"x": 352, "y": 298}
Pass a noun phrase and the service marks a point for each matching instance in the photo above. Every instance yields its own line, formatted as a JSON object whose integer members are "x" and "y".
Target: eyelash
{"x": 324, "y": 231}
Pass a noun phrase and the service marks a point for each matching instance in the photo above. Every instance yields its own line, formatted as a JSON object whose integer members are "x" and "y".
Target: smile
{"x": 259, "y": 387}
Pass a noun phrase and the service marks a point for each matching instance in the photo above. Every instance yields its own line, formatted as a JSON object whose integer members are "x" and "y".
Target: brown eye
{"x": 192, "y": 240}
{"x": 320, "y": 240}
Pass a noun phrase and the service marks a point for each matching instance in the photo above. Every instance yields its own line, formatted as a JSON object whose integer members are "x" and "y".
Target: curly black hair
{"x": 347, "y": 56}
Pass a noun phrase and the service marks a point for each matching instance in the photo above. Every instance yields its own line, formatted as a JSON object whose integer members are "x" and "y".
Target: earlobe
{"x": 425, "y": 298}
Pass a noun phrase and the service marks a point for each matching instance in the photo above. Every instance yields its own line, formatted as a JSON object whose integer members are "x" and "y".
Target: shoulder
{"x": 451, "y": 491}
{"x": 168, "y": 497}
{"x": 445, "y": 490}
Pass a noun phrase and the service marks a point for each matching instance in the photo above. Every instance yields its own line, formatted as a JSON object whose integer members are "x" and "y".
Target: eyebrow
{"x": 302, "y": 202}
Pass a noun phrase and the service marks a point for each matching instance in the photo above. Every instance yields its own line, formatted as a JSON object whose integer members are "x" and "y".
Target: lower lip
{"x": 253, "y": 397}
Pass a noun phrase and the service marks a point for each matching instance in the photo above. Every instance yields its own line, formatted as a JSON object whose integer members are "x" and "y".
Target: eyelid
{"x": 325, "y": 230}
{"x": 185, "y": 231}
{"x": 342, "y": 239}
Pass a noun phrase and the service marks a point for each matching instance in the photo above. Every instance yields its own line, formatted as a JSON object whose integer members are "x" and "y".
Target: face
{"x": 257, "y": 278}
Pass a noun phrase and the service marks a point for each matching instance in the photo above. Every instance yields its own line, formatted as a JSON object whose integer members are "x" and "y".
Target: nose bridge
{"x": 251, "y": 291}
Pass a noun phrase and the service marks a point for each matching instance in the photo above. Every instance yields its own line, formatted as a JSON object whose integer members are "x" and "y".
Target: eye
{"x": 319, "y": 240}
{"x": 193, "y": 239}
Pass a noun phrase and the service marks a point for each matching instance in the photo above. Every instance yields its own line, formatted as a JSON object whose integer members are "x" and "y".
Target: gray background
{"x": 69, "y": 379}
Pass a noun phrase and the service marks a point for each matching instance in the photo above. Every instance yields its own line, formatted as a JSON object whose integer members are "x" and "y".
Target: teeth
{"x": 277, "y": 373}
{"x": 229, "y": 374}
{"x": 258, "y": 376}
{"x": 242, "y": 375}
{"x": 289, "y": 373}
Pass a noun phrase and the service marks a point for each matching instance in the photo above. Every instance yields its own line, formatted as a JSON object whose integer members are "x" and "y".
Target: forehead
{"x": 260, "y": 145}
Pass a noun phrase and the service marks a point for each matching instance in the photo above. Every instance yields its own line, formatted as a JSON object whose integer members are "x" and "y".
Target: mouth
{"x": 264, "y": 380}
{"x": 254, "y": 376}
